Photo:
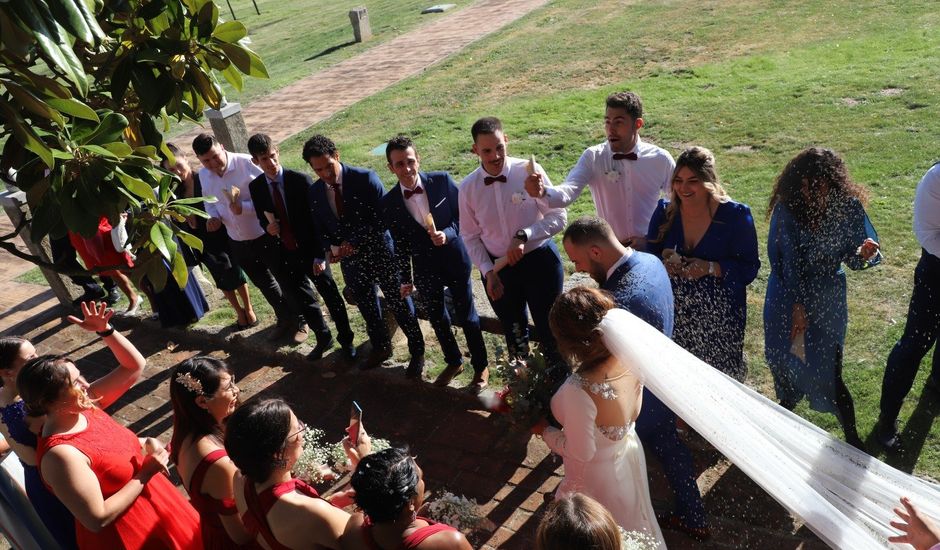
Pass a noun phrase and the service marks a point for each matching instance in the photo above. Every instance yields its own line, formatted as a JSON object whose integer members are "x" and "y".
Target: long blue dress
{"x": 806, "y": 268}
{"x": 711, "y": 312}
{"x": 57, "y": 518}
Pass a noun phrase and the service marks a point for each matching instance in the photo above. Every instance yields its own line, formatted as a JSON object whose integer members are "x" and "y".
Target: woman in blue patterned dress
{"x": 818, "y": 223}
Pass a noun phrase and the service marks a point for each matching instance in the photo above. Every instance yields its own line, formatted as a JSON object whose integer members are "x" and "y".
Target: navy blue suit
{"x": 362, "y": 226}
{"x": 293, "y": 269}
{"x": 641, "y": 286}
{"x": 437, "y": 266}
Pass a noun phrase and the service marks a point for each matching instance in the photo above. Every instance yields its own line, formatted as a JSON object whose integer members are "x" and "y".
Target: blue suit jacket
{"x": 412, "y": 241}
{"x": 641, "y": 286}
{"x": 362, "y": 224}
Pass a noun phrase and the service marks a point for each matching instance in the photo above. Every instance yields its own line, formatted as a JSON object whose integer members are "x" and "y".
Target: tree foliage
{"x": 86, "y": 90}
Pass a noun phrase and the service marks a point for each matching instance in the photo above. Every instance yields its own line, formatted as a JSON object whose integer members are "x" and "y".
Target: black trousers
{"x": 254, "y": 257}
{"x": 63, "y": 255}
{"x": 294, "y": 273}
{"x": 920, "y": 334}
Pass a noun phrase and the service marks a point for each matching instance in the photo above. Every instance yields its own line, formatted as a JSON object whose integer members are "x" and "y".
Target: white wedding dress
{"x": 845, "y": 496}
{"x": 605, "y": 463}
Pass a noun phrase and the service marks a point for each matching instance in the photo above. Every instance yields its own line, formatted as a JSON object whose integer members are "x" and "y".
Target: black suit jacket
{"x": 362, "y": 224}
{"x": 296, "y": 190}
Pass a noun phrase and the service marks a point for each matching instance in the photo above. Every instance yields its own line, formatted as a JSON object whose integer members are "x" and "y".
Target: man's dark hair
{"x": 260, "y": 144}
{"x": 319, "y": 146}
{"x": 588, "y": 230}
{"x": 628, "y": 101}
{"x": 398, "y": 143}
{"x": 203, "y": 143}
{"x": 486, "y": 125}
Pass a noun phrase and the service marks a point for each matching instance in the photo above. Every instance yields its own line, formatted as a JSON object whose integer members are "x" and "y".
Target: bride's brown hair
{"x": 574, "y": 321}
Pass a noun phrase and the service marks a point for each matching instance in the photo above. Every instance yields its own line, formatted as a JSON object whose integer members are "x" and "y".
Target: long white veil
{"x": 844, "y": 495}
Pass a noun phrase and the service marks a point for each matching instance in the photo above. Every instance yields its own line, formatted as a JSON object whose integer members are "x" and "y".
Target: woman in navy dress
{"x": 817, "y": 223}
{"x": 709, "y": 247}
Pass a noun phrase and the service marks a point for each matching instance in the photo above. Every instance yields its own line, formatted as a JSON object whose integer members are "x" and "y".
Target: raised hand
{"x": 96, "y": 316}
{"x": 534, "y": 186}
{"x": 917, "y": 530}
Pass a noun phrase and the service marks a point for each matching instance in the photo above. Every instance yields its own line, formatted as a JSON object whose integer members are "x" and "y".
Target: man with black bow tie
{"x": 423, "y": 216}
{"x": 626, "y": 174}
{"x": 509, "y": 237}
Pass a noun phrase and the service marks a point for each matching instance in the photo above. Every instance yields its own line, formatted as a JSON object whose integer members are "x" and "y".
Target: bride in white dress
{"x": 597, "y": 406}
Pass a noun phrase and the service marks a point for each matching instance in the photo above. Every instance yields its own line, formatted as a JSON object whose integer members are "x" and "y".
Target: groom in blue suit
{"x": 640, "y": 285}
{"x": 435, "y": 248}
{"x": 345, "y": 205}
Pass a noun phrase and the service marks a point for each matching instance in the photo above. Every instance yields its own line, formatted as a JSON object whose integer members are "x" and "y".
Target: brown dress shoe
{"x": 300, "y": 335}
{"x": 448, "y": 374}
{"x": 480, "y": 381}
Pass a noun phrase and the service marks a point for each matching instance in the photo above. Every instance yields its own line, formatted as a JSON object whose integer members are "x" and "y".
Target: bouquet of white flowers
{"x": 459, "y": 512}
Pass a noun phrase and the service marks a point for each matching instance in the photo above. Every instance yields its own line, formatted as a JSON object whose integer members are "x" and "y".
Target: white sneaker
{"x": 134, "y": 308}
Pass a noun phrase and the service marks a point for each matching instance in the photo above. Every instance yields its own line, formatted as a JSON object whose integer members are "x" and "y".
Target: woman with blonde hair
{"x": 577, "y": 521}
{"x": 708, "y": 244}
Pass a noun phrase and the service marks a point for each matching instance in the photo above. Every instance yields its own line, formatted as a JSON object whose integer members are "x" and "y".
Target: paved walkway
{"x": 302, "y": 104}
{"x": 461, "y": 447}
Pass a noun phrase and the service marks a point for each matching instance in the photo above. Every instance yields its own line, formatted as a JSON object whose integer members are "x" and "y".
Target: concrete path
{"x": 302, "y": 104}
{"x": 462, "y": 448}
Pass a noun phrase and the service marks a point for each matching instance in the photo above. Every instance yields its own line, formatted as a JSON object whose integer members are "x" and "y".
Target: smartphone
{"x": 355, "y": 423}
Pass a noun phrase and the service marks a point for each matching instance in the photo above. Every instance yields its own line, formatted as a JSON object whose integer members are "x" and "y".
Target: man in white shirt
{"x": 226, "y": 176}
{"x": 502, "y": 226}
{"x": 626, "y": 175}
{"x": 923, "y": 316}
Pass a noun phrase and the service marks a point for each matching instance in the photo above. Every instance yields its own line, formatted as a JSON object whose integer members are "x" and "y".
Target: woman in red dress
{"x": 204, "y": 394}
{"x": 104, "y": 474}
{"x": 98, "y": 251}
{"x": 265, "y": 439}
{"x": 389, "y": 488}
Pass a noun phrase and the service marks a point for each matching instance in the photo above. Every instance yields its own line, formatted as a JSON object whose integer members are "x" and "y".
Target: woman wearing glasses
{"x": 106, "y": 476}
{"x": 264, "y": 438}
{"x": 204, "y": 394}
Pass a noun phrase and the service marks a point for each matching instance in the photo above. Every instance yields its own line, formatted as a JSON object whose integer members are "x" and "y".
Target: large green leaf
{"x": 136, "y": 186}
{"x": 180, "y": 270}
{"x": 191, "y": 240}
{"x": 24, "y": 133}
{"x": 233, "y": 76}
{"x": 230, "y": 31}
{"x": 108, "y": 131}
{"x": 73, "y": 107}
{"x": 246, "y": 60}
{"x": 31, "y": 103}
{"x": 162, "y": 237}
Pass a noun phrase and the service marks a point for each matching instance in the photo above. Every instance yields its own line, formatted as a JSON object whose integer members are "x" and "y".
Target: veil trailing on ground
{"x": 845, "y": 496}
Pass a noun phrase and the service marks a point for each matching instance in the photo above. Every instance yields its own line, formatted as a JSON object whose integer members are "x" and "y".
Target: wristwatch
{"x": 521, "y": 235}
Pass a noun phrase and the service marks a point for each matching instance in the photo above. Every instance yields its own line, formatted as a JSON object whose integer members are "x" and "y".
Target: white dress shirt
{"x": 417, "y": 205}
{"x": 491, "y": 214}
{"x": 623, "y": 259}
{"x": 239, "y": 172}
{"x": 625, "y": 192}
{"x": 927, "y": 211}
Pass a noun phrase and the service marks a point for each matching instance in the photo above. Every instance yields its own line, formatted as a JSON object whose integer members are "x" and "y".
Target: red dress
{"x": 214, "y": 535}
{"x": 98, "y": 250}
{"x": 256, "y": 517}
{"x": 160, "y": 518}
{"x": 410, "y": 542}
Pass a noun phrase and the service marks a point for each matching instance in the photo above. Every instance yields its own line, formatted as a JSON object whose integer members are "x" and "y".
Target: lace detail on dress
{"x": 14, "y": 416}
{"x": 602, "y": 389}
{"x": 614, "y": 433}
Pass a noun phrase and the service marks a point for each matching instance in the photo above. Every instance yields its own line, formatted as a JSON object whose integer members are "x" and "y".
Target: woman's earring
{"x": 414, "y": 514}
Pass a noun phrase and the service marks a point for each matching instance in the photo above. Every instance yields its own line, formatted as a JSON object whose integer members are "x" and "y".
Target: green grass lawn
{"x": 753, "y": 81}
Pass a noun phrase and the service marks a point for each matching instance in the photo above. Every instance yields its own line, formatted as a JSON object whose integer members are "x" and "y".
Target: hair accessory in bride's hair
{"x": 187, "y": 381}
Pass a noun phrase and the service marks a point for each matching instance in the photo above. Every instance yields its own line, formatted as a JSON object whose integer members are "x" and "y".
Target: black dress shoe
{"x": 886, "y": 433}
{"x": 112, "y": 297}
{"x": 415, "y": 367}
{"x": 376, "y": 358}
{"x": 349, "y": 351}
{"x": 323, "y": 345}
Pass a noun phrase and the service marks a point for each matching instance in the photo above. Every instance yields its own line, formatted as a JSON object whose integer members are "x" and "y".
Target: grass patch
{"x": 755, "y": 82}
{"x": 32, "y": 277}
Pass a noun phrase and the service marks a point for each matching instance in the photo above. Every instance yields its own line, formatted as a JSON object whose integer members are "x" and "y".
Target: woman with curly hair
{"x": 204, "y": 394}
{"x": 389, "y": 489}
{"x": 817, "y": 223}
{"x": 709, "y": 247}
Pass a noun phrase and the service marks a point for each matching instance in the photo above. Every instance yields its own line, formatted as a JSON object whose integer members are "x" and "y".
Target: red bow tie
{"x": 488, "y": 180}
{"x": 621, "y": 156}
{"x": 417, "y": 191}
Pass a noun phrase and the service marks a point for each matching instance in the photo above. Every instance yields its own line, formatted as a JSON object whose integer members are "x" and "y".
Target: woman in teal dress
{"x": 817, "y": 223}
